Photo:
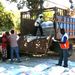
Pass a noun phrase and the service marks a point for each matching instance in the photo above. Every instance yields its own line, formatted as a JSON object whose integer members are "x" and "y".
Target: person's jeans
{"x": 36, "y": 28}
{"x": 63, "y": 57}
{"x": 16, "y": 49}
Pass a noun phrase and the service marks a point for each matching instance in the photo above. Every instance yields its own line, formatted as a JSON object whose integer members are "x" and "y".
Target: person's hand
{"x": 48, "y": 37}
{"x": 54, "y": 39}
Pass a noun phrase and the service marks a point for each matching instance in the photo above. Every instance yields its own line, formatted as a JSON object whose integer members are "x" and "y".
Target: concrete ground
{"x": 36, "y": 66}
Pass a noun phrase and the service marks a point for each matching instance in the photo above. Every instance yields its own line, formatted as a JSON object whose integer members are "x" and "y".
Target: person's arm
{"x": 38, "y": 22}
{"x": 64, "y": 41}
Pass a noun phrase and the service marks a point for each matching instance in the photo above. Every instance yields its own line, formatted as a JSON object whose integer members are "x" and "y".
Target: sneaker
{"x": 65, "y": 66}
{"x": 3, "y": 59}
{"x": 11, "y": 62}
{"x": 19, "y": 61}
{"x": 58, "y": 65}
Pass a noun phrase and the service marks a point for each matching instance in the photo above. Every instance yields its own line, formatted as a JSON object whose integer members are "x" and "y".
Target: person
{"x": 37, "y": 25}
{"x": 64, "y": 46}
{"x": 8, "y": 44}
{"x": 14, "y": 46}
{"x": 4, "y": 47}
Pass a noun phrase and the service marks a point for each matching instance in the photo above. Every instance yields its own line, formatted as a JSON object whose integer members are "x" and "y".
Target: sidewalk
{"x": 36, "y": 66}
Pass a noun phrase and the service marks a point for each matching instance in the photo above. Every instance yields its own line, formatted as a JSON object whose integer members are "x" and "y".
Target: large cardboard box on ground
{"x": 33, "y": 44}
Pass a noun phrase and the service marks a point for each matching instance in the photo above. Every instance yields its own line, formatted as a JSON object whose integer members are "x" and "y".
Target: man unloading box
{"x": 37, "y": 25}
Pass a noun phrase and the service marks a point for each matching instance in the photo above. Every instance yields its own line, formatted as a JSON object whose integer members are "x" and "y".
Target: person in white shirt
{"x": 37, "y": 25}
{"x": 14, "y": 46}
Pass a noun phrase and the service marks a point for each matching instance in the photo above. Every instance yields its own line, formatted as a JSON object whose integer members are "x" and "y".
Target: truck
{"x": 59, "y": 18}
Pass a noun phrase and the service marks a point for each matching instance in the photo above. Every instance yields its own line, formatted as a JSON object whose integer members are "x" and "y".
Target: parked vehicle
{"x": 58, "y": 20}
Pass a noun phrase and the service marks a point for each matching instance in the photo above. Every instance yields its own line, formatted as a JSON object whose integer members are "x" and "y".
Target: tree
{"x": 5, "y": 19}
{"x": 71, "y": 2}
{"x": 31, "y": 4}
{"x": 1, "y": 8}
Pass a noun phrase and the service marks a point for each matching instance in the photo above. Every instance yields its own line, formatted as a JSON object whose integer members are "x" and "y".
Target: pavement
{"x": 36, "y": 66}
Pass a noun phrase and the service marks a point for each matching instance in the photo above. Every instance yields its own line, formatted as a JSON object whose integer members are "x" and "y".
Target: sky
{"x": 59, "y": 3}
{"x": 8, "y": 5}
{"x": 47, "y": 3}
